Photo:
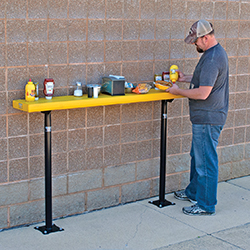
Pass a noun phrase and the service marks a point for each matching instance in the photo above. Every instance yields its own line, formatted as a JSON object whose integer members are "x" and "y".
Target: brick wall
{"x": 105, "y": 156}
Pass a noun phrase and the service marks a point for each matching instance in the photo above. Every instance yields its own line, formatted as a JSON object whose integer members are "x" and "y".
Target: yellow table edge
{"x": 72, "y": 102}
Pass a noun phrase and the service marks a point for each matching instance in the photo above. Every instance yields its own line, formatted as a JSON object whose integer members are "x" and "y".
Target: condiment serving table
{"x": 71, "y": 102}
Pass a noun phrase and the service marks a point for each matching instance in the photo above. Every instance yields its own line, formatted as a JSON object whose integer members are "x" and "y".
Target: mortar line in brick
{"x": 85, "y": 201}
{"x": 180, "y": 179}
{"x": 120, "y": 195}
{"x": 136, "y": 170}
{"x": 139, "y": 10}
{"x": 47, "y": 18}
{"x": 67, "y": 161}
{"x": 87, "y": 21}
{"x": 103, "y": 175}
{"x": 181, "y": 143}
{"x": 23, "y": 203}
{"x": 94, "y": 63}
{"x": 181, "y": 172}
{"x": 28, "y": 153}
{"x": 120, "y": 184}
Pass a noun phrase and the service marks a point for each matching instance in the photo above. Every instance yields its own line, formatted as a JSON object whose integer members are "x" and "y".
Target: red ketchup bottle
{"x": 48, "y": 89}
{"x": 165, "y": 76}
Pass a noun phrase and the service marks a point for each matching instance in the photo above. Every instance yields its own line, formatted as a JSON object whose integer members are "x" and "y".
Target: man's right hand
{"x": 183, "y": 77}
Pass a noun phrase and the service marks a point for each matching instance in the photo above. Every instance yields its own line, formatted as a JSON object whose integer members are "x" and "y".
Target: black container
{"x": 90, "y": 91}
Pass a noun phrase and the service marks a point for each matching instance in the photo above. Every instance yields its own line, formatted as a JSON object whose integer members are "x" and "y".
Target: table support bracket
{"x": 49, "y": 227}
{"x": 162, "y": 202}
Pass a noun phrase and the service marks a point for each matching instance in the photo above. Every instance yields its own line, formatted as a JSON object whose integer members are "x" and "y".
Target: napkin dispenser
{"x": 113, "y": 85}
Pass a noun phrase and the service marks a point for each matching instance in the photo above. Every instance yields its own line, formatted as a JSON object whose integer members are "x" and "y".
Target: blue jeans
{"x": 204, "y": 166}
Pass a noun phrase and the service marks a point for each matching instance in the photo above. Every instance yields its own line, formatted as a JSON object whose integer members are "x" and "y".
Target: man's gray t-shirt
{"x": 211, "y": 70}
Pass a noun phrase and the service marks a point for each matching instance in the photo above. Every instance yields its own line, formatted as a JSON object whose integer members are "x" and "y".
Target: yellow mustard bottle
{"x": 173, "y": 74}
{"x": 30, "y": 91}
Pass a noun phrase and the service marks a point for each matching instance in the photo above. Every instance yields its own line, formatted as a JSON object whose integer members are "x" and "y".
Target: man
{"x": 208, "y": 107}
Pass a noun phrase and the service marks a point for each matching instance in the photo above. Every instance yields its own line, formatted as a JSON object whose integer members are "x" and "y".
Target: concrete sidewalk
{"x": 142, "y": 226}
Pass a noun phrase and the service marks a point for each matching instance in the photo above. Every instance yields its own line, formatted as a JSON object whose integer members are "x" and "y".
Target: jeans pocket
{"x": 215, "y": 132}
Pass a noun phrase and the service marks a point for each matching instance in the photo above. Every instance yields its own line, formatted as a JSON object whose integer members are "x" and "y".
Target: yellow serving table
{"x": 71, "y": 102}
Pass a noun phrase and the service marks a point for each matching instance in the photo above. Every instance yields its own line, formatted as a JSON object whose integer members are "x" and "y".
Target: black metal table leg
{"x": 49, "y": 227}
{"x": 162, "y": 202}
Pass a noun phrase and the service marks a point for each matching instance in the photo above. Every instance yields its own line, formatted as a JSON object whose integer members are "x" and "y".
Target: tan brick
{"x": 174, "y": 145}
{"x": 156, "y": 148}
{"x": 3, "y": 149}
{"x": 112, "y": 114}
{"x": 59, "y": 185}
{"x": 112, "y": 155}
{"x": 94, "y": 158}
{"x": 37, "y": 187}
{"x": 27, "y": 213}
{"x": 59, "y": 164}
{"x": 128, "y": 113}
{"x": 144, "y": 111}
{"x": 231, "y": 154}
{"x": 3, "y": 171}
{"x": 86, "y": 180}
{"x": 172, "y": 182}
{"x": 119, "y": 174}
{"x": 178, "y": 163}
{"x": 144, "y": 150}
{"x": 18, "y": 169}
{"x": 185, "y": 177}
{"x": 135, "y": 191}
{"x": 103, "y": 198}
{"x": 155, "y": 187}
{"x": 247, "y": 151}
{"x": 3, "y": 217}
{"x": 112, "y": 135}
{"x": 68, "y": 204}
{"x": 240, "y": 168}
{"x": 144, "y": 130}
{"x": 128, "y": 152}
{"x": 148, "y": 169}
{"x": 13, "y": 193}
{"x": 225, "y": 171}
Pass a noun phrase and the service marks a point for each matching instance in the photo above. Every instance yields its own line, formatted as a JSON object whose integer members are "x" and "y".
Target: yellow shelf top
{"x": 72, "y": 102}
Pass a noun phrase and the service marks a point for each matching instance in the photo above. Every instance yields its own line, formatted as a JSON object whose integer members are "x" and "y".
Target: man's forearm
{"x": 200, "y": 93}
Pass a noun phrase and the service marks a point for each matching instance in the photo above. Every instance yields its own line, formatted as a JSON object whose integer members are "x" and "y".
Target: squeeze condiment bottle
{"x": 165, "y": 76}
{"x": 158, "y": 77}
{"x": 48, "y": 89}
{"x": 173, "y": 74}
{"x": 30, "y": 91}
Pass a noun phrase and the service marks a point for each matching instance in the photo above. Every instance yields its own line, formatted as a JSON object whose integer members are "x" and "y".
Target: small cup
{"x": 95, "y": 92}
{"x": 90, "y": 92}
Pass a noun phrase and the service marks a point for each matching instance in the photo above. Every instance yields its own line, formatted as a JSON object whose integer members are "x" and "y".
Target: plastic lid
{"x": 93, "y": 85}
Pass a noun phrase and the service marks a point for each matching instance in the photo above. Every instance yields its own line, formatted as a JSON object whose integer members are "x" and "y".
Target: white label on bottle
{"x": 166, "y": 78}
{"x": 49, "y": 87}
{"x": 47, "y": 129}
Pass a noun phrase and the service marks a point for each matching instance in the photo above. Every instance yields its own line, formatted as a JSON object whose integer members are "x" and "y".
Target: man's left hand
{"x": 173, "y": 90}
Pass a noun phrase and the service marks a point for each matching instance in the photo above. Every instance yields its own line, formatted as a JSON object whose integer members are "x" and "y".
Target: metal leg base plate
{"x": 46, "y": 230}
{"x": 161, "y": 204}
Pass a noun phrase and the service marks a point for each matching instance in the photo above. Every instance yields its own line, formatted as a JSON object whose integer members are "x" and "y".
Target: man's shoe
{"x": 180, "y": 195}
{"x": 196, "y": 210}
